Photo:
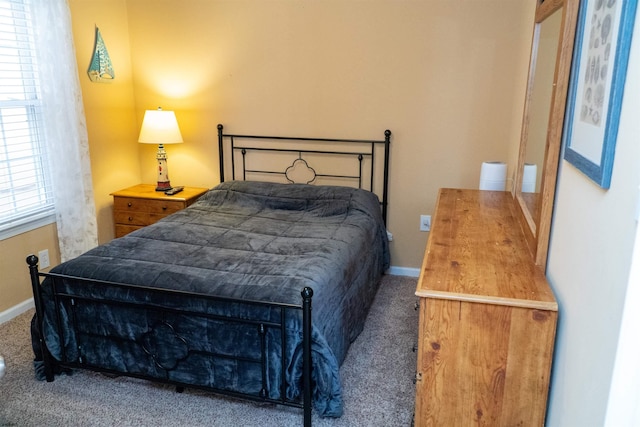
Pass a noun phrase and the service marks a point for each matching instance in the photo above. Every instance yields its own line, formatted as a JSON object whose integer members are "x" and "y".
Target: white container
{"x": 493, "y": 176}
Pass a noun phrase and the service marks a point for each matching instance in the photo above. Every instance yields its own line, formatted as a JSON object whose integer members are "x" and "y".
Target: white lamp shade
{"x": 160, "y": 127}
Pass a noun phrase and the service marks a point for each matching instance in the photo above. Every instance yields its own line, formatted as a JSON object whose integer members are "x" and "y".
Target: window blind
{"x": 26, "y": 197}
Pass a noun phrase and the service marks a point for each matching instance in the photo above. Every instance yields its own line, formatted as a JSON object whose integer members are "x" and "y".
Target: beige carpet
{"x": 377, "y": 378}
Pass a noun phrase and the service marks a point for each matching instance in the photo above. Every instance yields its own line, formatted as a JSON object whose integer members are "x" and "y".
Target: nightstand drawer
{"x": 147, "y": 205}
{"x": 123, "y": 230}
{"x": 132, "y": 218}
{"x": 138, "y": 206}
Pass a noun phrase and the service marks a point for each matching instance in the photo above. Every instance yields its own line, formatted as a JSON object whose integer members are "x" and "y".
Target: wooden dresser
{"x": 141, "y": 205}
{"x": 487, "y": 318}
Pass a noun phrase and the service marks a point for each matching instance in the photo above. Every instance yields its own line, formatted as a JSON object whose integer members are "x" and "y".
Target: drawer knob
{"x": 129, "y": 204}
{"x": 164, "y": 208}
{"x": 130, "y": 218}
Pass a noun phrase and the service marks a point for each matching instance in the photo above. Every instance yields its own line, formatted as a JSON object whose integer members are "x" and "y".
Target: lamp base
{"x": 163, "y": 186}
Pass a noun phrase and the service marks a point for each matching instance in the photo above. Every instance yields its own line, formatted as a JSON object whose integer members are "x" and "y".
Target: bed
{"x": 220, "y": 295}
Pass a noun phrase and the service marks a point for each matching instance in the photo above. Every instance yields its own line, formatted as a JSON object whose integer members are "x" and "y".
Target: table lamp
{"x": 160, "y": 127}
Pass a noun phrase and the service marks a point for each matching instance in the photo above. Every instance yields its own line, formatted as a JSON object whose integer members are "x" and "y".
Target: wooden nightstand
{"x": 141, "y": 205}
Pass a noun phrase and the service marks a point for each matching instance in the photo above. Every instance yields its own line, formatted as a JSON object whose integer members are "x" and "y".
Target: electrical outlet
{"x": 43, "y": 258}
{"x": 425, "y": 222}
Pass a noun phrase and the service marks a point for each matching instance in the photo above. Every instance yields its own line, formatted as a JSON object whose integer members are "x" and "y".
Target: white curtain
{"x": 65, "y": 127}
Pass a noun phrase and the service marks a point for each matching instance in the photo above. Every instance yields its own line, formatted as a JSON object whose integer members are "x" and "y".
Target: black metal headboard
{"x": 353, "y": 162}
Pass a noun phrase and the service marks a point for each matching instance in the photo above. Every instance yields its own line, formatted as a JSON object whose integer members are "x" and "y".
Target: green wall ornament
{"x": 100, "y": 69}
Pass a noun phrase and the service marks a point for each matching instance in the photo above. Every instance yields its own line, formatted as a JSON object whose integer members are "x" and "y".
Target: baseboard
{"x": 16, "y": 310}
{"x": 403, "y": 271}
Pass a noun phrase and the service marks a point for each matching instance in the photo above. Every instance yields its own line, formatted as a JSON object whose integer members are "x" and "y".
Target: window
{"x": 26, "y": 199}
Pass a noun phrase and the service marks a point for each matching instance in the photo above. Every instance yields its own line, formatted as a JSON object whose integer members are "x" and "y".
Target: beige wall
{"x": 109, "y": 107}
{"x": 15, "y": 285}
{"x": 590, "y": 259}
{"x": 446, "y": 77}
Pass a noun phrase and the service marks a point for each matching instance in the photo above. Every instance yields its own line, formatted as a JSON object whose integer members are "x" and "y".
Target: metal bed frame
{"x": 75, "y": 301}
{"x": 358, "y": 149}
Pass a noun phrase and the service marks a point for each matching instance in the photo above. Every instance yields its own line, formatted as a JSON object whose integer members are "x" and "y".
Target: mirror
{"x": 541, "y": 136}
{"x": 539, "y": 107}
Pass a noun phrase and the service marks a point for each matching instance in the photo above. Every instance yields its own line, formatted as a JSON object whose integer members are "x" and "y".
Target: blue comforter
{"x": 247, "y": 240}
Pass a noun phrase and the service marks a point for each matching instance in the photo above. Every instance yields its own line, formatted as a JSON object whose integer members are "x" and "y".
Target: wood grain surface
{"x": 487, "y": 318}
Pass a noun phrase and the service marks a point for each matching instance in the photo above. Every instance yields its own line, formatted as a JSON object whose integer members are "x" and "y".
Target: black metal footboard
{"x": 174, "y": 337}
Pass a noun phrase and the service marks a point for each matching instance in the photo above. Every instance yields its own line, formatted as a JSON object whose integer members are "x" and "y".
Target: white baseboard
{"x": 403, "y": 271}
{"x": 16, "y": 310}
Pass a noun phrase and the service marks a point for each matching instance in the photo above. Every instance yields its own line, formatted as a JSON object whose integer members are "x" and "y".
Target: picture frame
{"x": 596, "y": 88}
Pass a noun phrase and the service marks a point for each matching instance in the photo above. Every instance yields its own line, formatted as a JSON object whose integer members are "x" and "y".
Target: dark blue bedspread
{"x": 246, "y": 240}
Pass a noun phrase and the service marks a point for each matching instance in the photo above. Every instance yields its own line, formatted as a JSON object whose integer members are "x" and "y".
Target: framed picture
{"x": 598, "y": 72}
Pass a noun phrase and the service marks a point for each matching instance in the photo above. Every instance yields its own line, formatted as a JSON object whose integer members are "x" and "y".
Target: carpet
{"x": 377, "y": 378}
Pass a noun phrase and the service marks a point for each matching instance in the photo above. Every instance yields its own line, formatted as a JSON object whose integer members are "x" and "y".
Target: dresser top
{"x": 477, "y": 252}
